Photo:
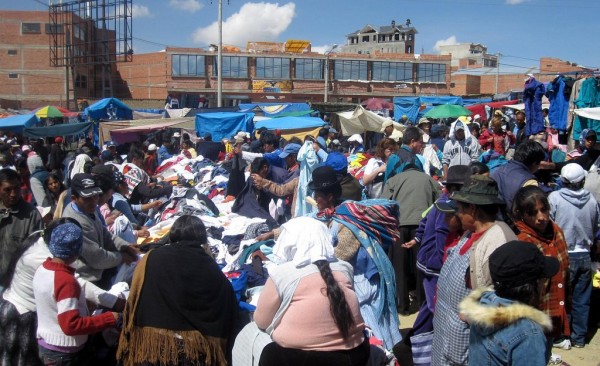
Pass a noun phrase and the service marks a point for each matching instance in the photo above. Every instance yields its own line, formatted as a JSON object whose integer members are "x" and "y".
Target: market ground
{"x": 587, "y": 356}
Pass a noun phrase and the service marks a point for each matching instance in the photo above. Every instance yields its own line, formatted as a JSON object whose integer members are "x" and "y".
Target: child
{"x": 498, "y": 140}
{"x": 63, "y": 321}
{"x": 576, "y": 211}
{"x": 506, "y": 327}
{"x": 531, "y": 212}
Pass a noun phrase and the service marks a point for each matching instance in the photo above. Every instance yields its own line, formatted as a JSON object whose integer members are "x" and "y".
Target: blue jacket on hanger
{"x": 532, "y": 97}
{"x": 559, "y": 104}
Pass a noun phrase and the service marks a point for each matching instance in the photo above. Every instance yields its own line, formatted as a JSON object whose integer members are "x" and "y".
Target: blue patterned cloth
{"x": 66, "y": 241}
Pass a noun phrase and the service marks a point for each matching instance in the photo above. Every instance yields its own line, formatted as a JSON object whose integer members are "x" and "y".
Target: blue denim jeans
{"x": 580, "y": 271}
{"x": 54, "y": 358}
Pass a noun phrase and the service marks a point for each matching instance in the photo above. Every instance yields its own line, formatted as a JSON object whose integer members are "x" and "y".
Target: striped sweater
{"x": 62, "y": 313}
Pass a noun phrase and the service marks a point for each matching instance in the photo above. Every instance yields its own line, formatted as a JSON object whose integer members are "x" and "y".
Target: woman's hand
{"x": 257, "y": 179}
{"x": 265, "y": 236}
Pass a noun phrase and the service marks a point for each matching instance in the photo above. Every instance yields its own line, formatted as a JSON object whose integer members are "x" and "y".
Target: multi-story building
{"x": 190, "y": 75}
{"x": 393, "y": 38}
{"x": 468, "y": 55}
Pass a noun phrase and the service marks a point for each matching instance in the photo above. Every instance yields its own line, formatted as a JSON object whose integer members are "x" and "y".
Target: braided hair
{"x": 339, "y": 308}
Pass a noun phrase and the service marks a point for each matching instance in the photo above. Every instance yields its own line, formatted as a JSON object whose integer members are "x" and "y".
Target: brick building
{"x": 190, "y": 75}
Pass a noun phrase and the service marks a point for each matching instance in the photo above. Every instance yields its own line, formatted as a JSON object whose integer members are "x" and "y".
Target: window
{"x": 13, "y": 76}
{"x": 309, "y": 68}
{"x": 435, "y": 73}
{"x": 350, "y": 70}
{"x": 12, "y": 52}
{"x": 365, "y": 38}
{"x": 273, "y": 67}
{"x": 187, "y": 65}
{"x": 233, "y": 67}
{"x": 54, "y": 28}
{"x": 392, "y": 71}
{"x": 81, "y": 81}
{"x": 410, "y": 36}
{"x": 31, "y": 28}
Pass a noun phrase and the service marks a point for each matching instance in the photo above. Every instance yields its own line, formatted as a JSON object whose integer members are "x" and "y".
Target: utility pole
{"x": 327, "y": 53}
{"x": 220, "y": 58}
{"x": 497, "y": 70}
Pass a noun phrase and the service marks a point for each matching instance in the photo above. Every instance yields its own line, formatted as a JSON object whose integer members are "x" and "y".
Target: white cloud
{"x": 253, "y": 22}
{"x": 444, "y": 42}
{"x": 515, "y": 2}
{"x": 325, "y": 48}
{"x": 187, "y": 5}
{"x": 140, "y": 11}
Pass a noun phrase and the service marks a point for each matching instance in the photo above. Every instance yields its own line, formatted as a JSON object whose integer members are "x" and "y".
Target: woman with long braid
{"x": 308, "y": 304}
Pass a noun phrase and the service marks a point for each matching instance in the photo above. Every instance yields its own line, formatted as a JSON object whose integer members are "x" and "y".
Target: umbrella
{"x": 447, "y": 111}
{"x": 377, "y": 104}
{"x": 49, "y": 112}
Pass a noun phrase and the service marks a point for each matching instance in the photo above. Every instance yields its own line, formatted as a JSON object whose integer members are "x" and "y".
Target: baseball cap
{"x": 66, "y": 241}
{"x": 110, "y": 144}
{"x": 332, "y": 130}
{"x": 58, "y": 140}
{"x": 84, "y": 185}
{"x": 517, "y": 263}
{"x": 459, "y": 126}
{"x": 152, "y": 147}
{"x": 572, "y": 173}
{"x": 446, "y": 206}
{"x": 337, "y": 161}
{"x": 386, "y": 124}
{"x": 289, "y": 149}
{"x": 176, "y": 134}
{"x": 356, "y": 137}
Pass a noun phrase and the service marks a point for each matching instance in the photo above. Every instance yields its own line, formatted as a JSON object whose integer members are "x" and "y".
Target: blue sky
{"x": 521, "y": 30}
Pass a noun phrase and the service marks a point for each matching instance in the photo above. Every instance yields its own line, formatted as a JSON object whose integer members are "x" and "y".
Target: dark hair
{"x": 188, "y": 228}
{"x": 309, "y": 138}
{"x": 257, "y": 164}
{"x": 323, "y": 132}
{"x": 9, "y": 175}
{"x": 528, "y": 293}
{"x": 411, "y": 133}
{"x": 186, "y": 143}
{"x": 385, "y": 144}
{"x": 574, "y": 186}
{"x": 339, "y": 308}
{"x": 530, "y": 152}
{"x": 478, "y": 168}
{"x": 335, "y": 190}
{"x": 526, "y": 199}
{"x": 186, "y": 137}
{"x": 56, "y": 178}
{"x": 270, "y": 139}
{"x": 135, "y": 153}
{"x": 103, "y": 182}
{"x": 295, "y": 140}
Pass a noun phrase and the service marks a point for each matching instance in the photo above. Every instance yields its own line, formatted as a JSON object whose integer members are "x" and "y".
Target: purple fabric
{"x": 424, "y": 320}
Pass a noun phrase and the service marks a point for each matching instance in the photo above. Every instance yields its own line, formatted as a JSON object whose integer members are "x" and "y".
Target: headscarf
{"x": 304, "y": 240}
{"x": 35, "y": 164}
{"x": 466, "y": 129}
{"x": 79, "y": 164}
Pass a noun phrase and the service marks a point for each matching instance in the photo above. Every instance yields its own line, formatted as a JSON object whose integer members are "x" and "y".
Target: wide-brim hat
{"x": 323, "y": 177}
{"x": 479, "y": 190}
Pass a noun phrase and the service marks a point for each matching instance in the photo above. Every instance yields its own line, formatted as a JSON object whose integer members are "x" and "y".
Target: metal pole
{"x": 497, "y": 70}
{"x": 220, "y": 58}
{"x": 326, "y": 78}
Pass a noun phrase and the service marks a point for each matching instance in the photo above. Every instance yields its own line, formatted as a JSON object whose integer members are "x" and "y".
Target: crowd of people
{"x": 485, "y": 232}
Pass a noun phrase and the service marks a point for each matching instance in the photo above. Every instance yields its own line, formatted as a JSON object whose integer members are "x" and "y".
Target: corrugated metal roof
{"x": 504, "y": 69}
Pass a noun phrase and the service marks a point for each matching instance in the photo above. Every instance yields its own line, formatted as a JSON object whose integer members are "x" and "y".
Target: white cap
{"x": 387, "y": 123}
{"x": 152, "y": 147}
{"x": 476, "y": 117}
{"x": 572, "y": 173}
{"x": 176, "y": 134}
{"x": 356, "y": 137}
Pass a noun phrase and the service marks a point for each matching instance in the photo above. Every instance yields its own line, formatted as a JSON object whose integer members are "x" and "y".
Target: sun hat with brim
{"x": 323, "y": 177}
{"x": 84, "y": 185}
{"x": 446, "y": 206}
{"x": 479, "y": 190}
{"x": 457, "y": 174}
{"x": 423, "y": 120}
{"x": 517, "y": 263}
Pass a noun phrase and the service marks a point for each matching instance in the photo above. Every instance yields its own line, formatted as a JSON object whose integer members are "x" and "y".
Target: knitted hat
{"x": 66, "y": 241}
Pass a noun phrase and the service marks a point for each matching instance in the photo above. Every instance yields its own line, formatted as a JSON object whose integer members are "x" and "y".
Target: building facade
{"x": 467, "y": 55}
{"x": 393, "y": 38}
{"x": 190, "y": 75}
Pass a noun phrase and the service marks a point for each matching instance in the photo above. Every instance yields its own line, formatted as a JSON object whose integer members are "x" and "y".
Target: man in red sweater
{"x": 63, "y": 321}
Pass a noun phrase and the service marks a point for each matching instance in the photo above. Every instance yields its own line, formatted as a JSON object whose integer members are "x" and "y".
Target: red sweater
{"x": 63, "y": 319}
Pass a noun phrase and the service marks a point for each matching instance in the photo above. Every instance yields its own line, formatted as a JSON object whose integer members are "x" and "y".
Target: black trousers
{"x": 275, "y": 355}
{"x": 408, "y": 278}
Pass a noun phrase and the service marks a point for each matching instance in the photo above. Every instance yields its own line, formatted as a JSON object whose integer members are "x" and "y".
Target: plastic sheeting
{"x": 274, "y": 109}
{"x": 411, "y": 106}
{"x": 361, "y": 120}
{"x": 223, "y": 124}
{"x": 17, "y": 123}
{"x": 99, "y": 110}
{"x": 67, "y": 129}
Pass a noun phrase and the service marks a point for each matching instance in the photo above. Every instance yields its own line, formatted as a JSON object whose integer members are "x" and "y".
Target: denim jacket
{"x": 505, "y": 332}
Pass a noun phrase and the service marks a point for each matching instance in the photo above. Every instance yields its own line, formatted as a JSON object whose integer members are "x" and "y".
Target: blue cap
{"x": 66, "y": 241}
{"x": 289, "y": 149}
{"x": 337, "y": 161}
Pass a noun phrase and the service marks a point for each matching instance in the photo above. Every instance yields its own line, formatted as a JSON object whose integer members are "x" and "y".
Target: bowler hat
{"x": 323, "y": 177}
{"x": 479, "y": 190}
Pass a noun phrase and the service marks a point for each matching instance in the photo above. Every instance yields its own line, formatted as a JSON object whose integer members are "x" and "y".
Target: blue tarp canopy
{"x": 99, "y": 110}
{"x": 290, "y": 123}
{"x": 223, "y": 124}
{"x": 66, "y": 129}
{"x": 17, "y": 123}
{"x": 274, "y": 109}
{"x": 411, "y": 106}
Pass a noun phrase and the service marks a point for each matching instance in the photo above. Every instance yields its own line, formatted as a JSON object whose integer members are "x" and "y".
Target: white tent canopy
{"x": 361, "y": 120}
{"x": 521, "y": 107}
